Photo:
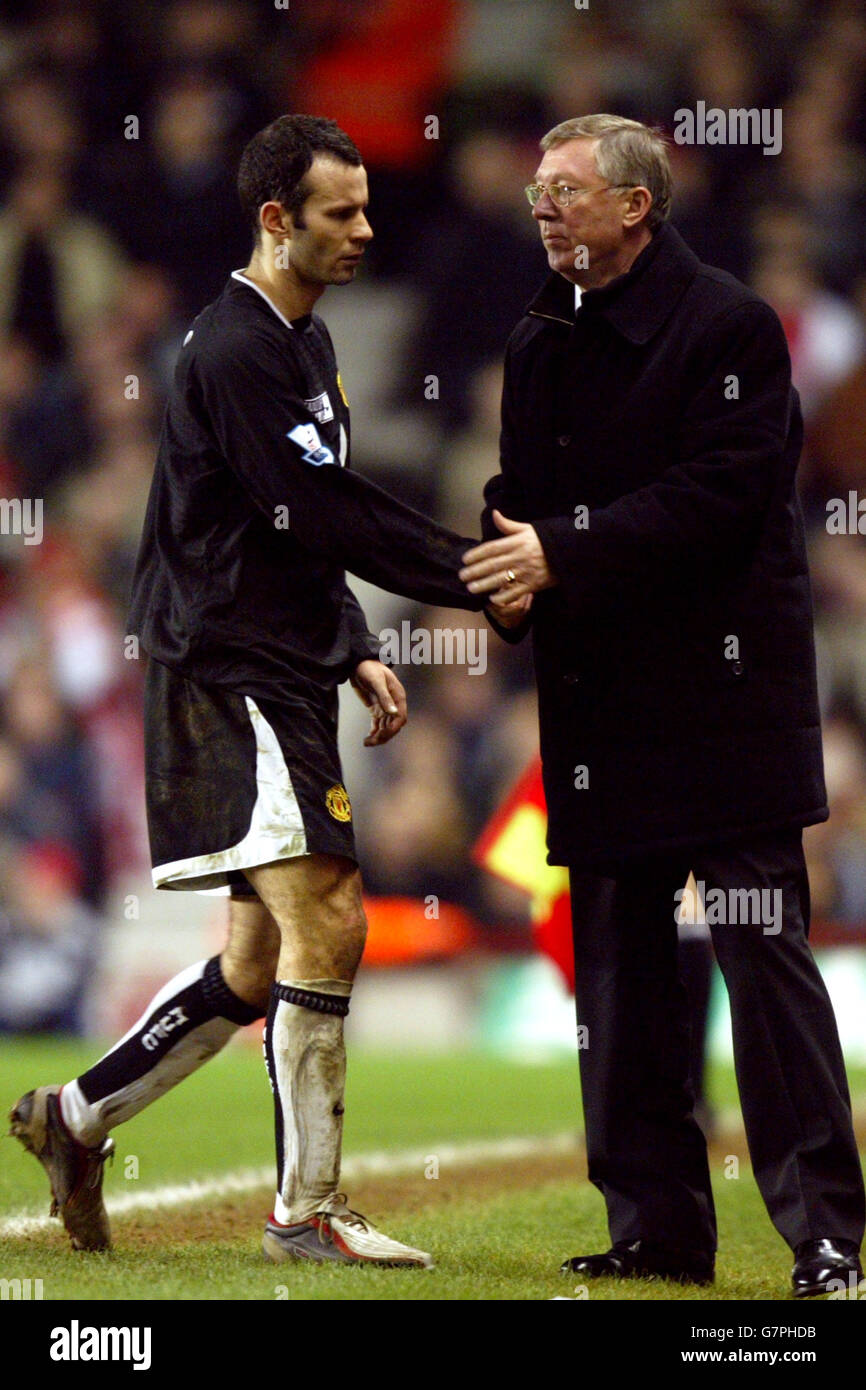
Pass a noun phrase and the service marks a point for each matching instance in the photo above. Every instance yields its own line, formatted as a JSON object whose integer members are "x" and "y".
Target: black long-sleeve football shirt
{"x": 254, "y": 515}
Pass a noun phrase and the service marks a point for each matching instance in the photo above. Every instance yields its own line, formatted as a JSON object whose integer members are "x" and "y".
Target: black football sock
{"x": 185, "y": 1024}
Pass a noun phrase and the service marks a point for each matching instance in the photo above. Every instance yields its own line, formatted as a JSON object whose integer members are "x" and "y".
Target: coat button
{"x": 564, "y": 440}
{"x": 737, "y": 667}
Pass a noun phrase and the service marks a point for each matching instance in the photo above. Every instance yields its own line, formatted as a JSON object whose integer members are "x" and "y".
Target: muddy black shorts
{"x": 234, "y": 782}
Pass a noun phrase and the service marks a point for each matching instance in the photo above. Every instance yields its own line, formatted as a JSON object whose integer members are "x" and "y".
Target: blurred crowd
{"x": 120, "y": 131}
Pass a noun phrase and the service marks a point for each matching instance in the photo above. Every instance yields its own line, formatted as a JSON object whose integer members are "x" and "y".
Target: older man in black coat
{"x": 649, "y": 532}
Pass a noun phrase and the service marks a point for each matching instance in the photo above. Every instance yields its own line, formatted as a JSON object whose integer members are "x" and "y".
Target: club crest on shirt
{"x": 307, "y": 438}
{"x": 338, "y": 804}
{"x": 320, "y": 408}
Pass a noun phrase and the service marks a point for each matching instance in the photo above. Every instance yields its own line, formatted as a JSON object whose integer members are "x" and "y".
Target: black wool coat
{"x": 652, "y": 438}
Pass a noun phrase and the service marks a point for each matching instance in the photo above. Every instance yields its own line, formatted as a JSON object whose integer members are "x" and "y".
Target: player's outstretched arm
{"x": 263, "y": 429}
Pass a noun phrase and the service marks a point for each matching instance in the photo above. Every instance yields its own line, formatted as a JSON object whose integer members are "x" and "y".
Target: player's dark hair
{"x": 275, "y": 163}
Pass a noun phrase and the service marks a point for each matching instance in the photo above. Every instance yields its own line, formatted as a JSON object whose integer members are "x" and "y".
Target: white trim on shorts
{"x": 276, "y": 824}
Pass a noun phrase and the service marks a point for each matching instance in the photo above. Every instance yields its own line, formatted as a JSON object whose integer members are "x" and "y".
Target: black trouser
{"x": 645, "y": 1151}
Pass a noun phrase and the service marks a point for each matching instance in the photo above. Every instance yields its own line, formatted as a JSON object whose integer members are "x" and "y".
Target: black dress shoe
{"x": 819, "y": 1262}
{"x": 642, "y": 1259}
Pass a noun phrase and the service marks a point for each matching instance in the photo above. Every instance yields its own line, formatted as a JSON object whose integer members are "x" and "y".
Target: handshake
{"x": 510, "y": 570}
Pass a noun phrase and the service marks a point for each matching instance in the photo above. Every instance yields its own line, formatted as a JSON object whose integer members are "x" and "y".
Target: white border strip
{"x": 355, "y": 1167}
{"x": 276, "y": 829}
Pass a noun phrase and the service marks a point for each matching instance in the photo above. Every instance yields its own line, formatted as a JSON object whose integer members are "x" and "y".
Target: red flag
{"x": 512, "y": 846}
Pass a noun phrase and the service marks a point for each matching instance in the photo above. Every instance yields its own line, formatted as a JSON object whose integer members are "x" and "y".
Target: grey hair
{"x": 628, "y": 154}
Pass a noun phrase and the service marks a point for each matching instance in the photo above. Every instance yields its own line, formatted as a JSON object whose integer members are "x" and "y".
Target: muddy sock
{"x": 306, "y": 1061}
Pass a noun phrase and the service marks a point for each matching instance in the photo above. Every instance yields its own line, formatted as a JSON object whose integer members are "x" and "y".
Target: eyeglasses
{"x": 561, "y": 195}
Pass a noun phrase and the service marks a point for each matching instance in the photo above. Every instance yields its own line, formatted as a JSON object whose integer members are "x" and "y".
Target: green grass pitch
{"x": 498, "y": 1231}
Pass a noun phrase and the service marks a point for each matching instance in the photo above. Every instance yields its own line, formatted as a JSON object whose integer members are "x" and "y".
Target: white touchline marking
{"x": 354, "y": 1167}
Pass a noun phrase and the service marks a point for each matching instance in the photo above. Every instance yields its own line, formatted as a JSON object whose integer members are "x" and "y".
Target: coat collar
{"x": 637, "y": 303}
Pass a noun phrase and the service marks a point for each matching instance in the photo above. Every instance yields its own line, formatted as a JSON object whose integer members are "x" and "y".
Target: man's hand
{"x": 385, "y": 698}
{"x": 510, "y": 569}
{"x": 513, "y": 615}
